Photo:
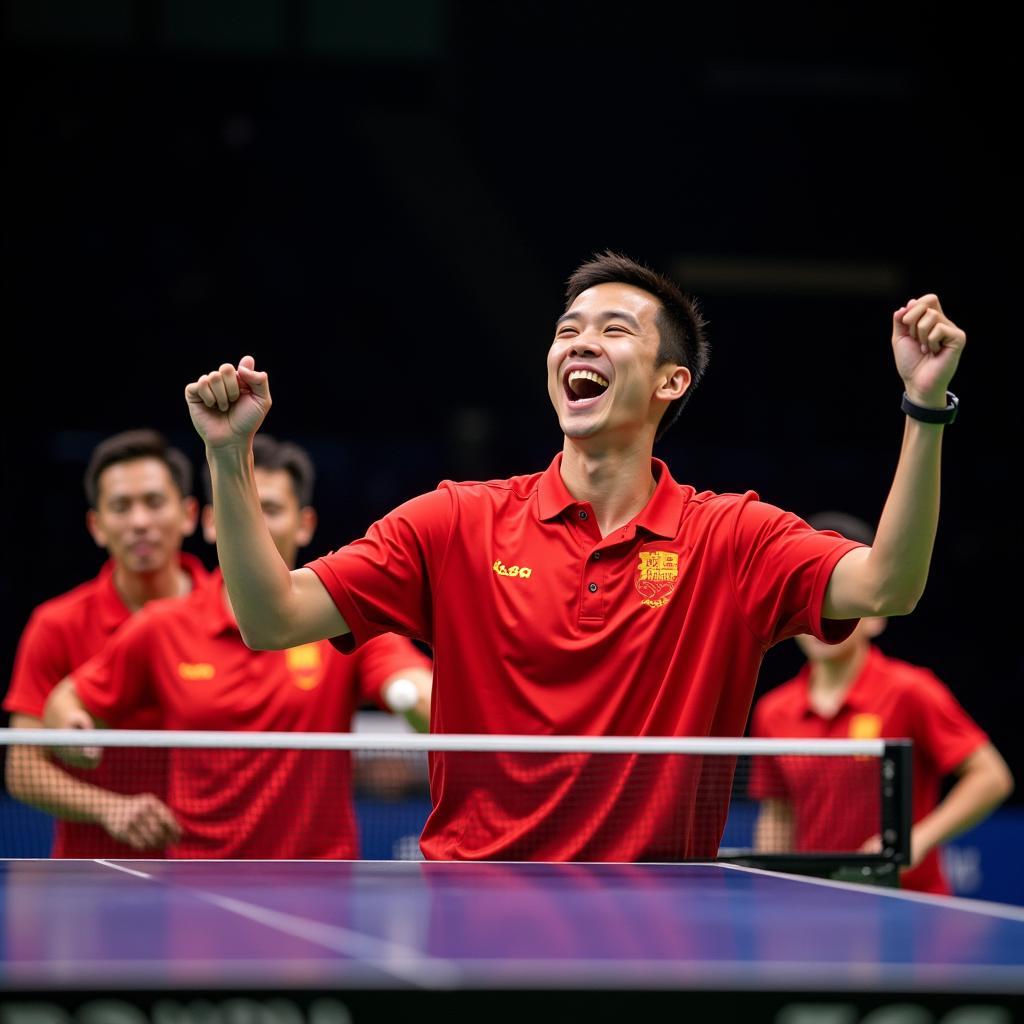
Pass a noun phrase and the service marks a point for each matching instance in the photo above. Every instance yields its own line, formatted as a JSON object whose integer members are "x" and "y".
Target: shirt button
{"x": 592, "y": 588}
{"x": 583, "y": 513}
{"x": 597, "y": 556}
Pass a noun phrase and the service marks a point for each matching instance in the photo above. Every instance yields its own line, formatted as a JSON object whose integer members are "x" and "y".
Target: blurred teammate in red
{"x": 140, "y": 509}
{"x": 185, "y": 663}
{"x": 599, "y": 596}
{"x": 851, "y": 690}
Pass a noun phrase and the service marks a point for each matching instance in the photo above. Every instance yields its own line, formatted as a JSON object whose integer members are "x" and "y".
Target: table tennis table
{"x": 105, "y": 942}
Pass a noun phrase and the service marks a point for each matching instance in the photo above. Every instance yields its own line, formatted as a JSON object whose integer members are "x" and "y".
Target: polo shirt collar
{"x": 113, "y": 612}
{"x": 214, "y": 607}
{"x": 194, "y": 568}
{"x": 660, "y": 516}
{"x": 861, "y": 695}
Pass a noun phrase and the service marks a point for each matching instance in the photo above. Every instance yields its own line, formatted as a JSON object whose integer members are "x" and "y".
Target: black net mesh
{"x": 402, "y": 803}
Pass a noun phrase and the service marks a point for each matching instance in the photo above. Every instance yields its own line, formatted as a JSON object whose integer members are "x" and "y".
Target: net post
{"x": 896, "y": 769}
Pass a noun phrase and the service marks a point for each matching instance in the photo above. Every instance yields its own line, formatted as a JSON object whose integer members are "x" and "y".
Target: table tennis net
{"x": 373, "y": 796}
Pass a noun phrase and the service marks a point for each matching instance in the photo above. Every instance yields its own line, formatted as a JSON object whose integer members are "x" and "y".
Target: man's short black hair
{"x": 680, "y": 324}
{"x": 136, "y": 444}
{"x": 269, "y": 453}
{"x": 840, "y": 522}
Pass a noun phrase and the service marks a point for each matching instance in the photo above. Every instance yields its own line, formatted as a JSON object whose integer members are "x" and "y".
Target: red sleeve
{"x": 781, "y": 569}
{"x": 766, "y": 780}
{"x": 943, "y": 732}
{"x": 40, "y": 663}
{"x": 118, "y": 681}
{"x": 381, "y": 658}
{"x": 384, "y": 582}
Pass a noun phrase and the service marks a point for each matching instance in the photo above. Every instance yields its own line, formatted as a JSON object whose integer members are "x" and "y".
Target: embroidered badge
{"x": 865, "y": 727}
{"x": 523, "y": 572}
{"x": 202, "y": 670}
{"x": 656, "y": 575}
{"x": 305, "y": 664}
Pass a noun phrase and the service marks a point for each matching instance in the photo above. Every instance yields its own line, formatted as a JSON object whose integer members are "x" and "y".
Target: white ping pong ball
{"x": 401, "y": 695}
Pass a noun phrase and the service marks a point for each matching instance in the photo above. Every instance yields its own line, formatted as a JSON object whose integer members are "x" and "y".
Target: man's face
{"x": 140, "y": 516}
{"x": 603, "y": 377}
{"x": 291, "y": 526}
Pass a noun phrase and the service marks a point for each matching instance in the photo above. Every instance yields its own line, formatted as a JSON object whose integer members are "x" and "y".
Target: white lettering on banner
{"x": 894, "y": 1013}
{"x": 170, "y": 1011}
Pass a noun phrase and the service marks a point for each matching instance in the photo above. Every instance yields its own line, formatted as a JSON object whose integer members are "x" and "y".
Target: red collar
{"x": 214, "y": 608}
{"x": 113, "y": 612}
{"x": 660, "y": 516}
{"x": 859, "y": 696}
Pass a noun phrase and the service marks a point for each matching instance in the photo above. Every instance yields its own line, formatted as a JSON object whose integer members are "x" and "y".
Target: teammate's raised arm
{"x": 275, "y": 607}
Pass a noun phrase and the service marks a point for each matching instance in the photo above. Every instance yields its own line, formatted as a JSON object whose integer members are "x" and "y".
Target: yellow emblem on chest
{"x": 865, "y": 727}
{"x": 304, "y": 663}
{"x": 201, "y": 670}
{"x": 656, "y": 575}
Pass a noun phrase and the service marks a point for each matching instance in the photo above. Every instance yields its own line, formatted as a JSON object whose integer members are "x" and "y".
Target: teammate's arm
{"x": 141, "y": 821}
{"x": 276, "y": 608}
{"x": 408, "y": 693}
{"x": 984, "y": 781}
{"x": 64, "y": 710}
{"x": 889, "y": 577}
{"x": 774, "y": 829}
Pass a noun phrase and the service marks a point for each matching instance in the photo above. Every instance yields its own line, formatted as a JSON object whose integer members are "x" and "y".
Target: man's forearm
{"x": 902, "y": 549}
{"x": 889, "y": 578}
{"x": 257, "y": 580}
{"x": 275, "y": 606}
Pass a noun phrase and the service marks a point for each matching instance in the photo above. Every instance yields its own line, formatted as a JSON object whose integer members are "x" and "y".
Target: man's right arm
{"x": 276, "y": 608}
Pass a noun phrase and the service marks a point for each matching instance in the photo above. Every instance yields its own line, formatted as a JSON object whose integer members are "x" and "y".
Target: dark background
{"x": 381, "y": 203}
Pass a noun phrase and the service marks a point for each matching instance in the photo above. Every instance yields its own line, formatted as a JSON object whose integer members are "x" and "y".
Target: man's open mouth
{"x": 583, "y": 385}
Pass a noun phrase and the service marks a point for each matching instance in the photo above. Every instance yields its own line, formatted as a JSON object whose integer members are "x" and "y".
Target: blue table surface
{"x": 443, "y": 925}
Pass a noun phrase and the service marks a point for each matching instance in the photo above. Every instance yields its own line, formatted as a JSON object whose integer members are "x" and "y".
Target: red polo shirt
{"x": 61, "y": 634}
{"x": 540, "y": 625}
{"x": 185, "y": 662}
{"x": 835, "y": 807}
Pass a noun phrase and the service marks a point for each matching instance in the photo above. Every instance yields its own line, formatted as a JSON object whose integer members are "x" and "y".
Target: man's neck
{"x": 616, "y": 482}
{"x": 831, "y": 680}
{"x": 135, "y": 589}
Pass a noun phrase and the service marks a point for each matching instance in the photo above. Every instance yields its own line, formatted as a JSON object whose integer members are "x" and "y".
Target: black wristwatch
{"x": 926, "y": 415}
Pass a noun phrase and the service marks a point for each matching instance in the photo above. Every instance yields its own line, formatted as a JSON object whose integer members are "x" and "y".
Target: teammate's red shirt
{"x": 61, "y": 634}
{"x": 838, "y": 809}
{"x": 186, "y": 662}
{"x": 538, "y": 625}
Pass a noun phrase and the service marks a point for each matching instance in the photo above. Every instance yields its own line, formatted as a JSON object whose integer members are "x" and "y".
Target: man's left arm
{"x": 889, "y": 577}
{"x": 984, "y": 782}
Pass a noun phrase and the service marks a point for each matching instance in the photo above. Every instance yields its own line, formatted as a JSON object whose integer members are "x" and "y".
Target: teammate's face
{"x": 291, "y": 526}
{"x": 289, "y": 523}
{"x": 814, "y": 650}
{"x": 140, "y": 516}
{"x": 603, "y": 375}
